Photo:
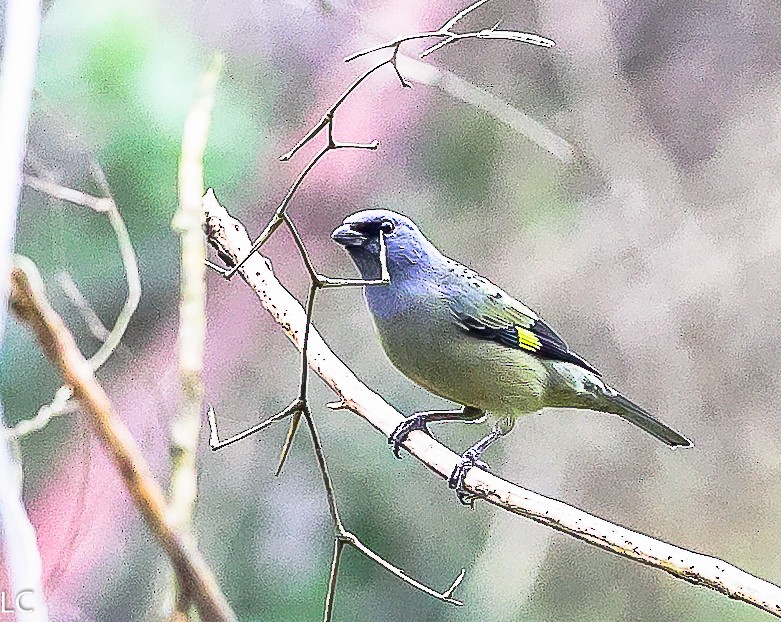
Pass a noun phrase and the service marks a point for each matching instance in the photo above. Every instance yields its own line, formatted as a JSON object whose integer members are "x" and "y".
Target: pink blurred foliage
{"x": 79, "y": 530}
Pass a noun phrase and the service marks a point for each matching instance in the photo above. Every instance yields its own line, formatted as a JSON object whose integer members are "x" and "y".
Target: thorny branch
{"x": 327, "y": 121}
{"x": 300, "y": 406}
{"x": 230, "y": 238}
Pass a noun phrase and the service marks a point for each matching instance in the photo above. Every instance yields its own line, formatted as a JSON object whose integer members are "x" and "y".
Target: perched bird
{"x": 461, "y": 337}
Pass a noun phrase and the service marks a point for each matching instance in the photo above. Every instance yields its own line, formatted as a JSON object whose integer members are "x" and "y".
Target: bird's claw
{"x": 402, "y": 431}
{"x": 469, "y": 459}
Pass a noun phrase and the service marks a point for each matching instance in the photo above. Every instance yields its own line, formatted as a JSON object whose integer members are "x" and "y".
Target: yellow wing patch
{"x": 527, "y": 339}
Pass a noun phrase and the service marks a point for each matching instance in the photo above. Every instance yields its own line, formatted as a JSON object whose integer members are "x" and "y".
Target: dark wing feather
{"x": 486, "y": 312}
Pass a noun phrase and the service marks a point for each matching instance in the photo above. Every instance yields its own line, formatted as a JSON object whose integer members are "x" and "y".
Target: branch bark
{"x": 29, "y": 303}
{"x": 229, "y": 238}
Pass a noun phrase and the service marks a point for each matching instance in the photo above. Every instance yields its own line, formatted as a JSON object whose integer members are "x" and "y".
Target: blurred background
{"x": 655, "y": 251}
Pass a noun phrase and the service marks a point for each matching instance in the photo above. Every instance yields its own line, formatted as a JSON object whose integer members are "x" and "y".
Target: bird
{"x": 463, "y": 338}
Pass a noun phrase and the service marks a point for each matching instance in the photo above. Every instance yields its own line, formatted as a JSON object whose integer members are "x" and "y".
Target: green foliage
{"x": 115, "y": 79}
{"x": 462, "y": 153}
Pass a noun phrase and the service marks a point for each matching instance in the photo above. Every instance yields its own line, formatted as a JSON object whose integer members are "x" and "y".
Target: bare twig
{"x": 61, "y": 404}
{"x": 347, "y": 537}
{"x": 455, "y": 86}
{"x": 320, "y": 281}
{"x": 214, "y": 438}
{"x": 107, "y": 205}
{"x": 280, "y": 215}
{"x": 77, "y": 197}
{"x": 192, "y": 312}
{"x": 77, "y": 299}
{"x": 327, "y": 121}
{"x": 17, "y": 72}
{"x": 230, "y": 237}
{"x": 449, "y": 36}
{"x": 30, "y": 304}
{"x": 461, "y": 14}
{"x": 491, "y": 33}
{"x": 132, "y": 275}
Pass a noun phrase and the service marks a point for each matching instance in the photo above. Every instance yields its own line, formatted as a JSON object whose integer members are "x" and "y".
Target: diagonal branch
{"x": 31, "y": 306}
{"x": 230, "y": 238}
{"x": 78, "y": 300}
{"x": 461, "y": 14}
{"x": 502, "y": 111}
{"x": 70, "y": 195}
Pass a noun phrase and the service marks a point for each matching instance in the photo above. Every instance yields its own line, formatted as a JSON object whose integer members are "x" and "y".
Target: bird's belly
{"x": 469, "y": 371}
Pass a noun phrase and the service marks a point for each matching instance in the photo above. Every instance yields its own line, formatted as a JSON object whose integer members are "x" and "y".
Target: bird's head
{"x": 406, "y": 245}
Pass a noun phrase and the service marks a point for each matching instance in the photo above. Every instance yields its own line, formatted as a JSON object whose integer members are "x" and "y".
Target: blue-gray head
{"x": 407, "y": 248}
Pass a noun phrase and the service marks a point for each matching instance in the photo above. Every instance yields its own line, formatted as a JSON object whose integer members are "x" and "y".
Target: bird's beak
{"x": 347, "y": 236}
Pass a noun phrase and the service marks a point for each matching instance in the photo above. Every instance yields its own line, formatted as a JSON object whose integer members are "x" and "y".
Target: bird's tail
{"x": 626, "y": 409}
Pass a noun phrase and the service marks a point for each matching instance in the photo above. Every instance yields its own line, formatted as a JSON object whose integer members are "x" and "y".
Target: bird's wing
{"x": 487, "y": 312}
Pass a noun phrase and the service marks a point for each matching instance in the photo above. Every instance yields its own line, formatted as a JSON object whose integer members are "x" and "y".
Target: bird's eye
{"x": 386, "y": 226}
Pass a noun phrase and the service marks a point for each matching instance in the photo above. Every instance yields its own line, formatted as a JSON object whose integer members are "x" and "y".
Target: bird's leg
{"x": 419, "y": 421}
{"x": 472, "y": 458}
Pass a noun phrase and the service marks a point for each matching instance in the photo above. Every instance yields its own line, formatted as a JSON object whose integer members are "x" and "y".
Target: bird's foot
{"x": 470, "y": 458}
{"x": 402, "y": 431}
